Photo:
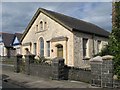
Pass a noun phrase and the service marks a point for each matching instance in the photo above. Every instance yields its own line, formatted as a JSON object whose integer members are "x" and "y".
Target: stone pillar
{"x": 102, "y": 71}
{"x": 58, "y": 69}
{"x": 96, "y": 71}
{"x": 28, "y": 59}
{"x": 107, "y": 71}
{"x": 18, "y": 62}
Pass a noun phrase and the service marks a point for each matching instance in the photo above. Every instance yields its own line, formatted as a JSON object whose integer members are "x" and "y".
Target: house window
{"x": 48, "y": 48}
{"x": 0, "y": 38}
{"x": 41, "y": 47}
{"x": 18, "y": 50}
{"x": 98, "y": 46}
{"x": 41, "y": 26}
{"x": 45, "y": 26}
{"x": 85, "y": 48}
{"x": 35, "y": 48}
{"x": 36, "y": 27}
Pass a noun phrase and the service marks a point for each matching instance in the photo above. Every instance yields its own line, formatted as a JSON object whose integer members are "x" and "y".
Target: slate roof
{"x": 68, "y": 22}
{"x": 7, "y": 39}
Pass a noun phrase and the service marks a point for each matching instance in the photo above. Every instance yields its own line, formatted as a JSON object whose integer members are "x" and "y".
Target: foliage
{"x": 114, "y": 42}
{"x": 104, "y": 51}
{"x": 42, "y": 60}
{"x": 113, "y": 47}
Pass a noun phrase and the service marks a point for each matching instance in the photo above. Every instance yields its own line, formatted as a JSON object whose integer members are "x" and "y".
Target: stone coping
{"x": 107, "y": 57}
{"x": 97, "y": 58}
{"x": 100, "y": 59}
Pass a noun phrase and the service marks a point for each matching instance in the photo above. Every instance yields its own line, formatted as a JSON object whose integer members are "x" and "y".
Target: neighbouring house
{"x": 16, "y": 43}
{"x": 6, "y": 48}
{"x": 51, "y": 34}
{"x": 10, "y": 44}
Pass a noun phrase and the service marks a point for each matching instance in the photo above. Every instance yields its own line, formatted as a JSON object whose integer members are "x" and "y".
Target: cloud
{"x": 99, "y": 14}
{"x": 58, "y": 0}
{"x": 16, "y": 16}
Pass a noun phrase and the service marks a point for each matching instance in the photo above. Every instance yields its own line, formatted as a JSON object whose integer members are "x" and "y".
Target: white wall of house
{"x": 53, "y": 30}
{"x": 1, "y": 49}
{"x": 18, "y": 49}
{"x": 72, "y": 48}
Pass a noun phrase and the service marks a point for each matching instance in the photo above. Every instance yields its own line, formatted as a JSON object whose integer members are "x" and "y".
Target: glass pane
{"x": 48, "y": 48}
{"x": 41, "y": 47}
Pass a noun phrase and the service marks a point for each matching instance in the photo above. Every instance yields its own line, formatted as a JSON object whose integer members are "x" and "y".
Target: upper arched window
{"x": 41, "y": 46}
{"x": 36, "y": 27}
{"x": 41, "y": 26}
{"x": 45, "y": 25}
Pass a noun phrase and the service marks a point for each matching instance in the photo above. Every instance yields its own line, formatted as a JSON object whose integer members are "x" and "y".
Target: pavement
{"x": 29, "y": 81}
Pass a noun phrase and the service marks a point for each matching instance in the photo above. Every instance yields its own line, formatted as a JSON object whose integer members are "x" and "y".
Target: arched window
{"x": 45, "y": 25}
{"x": 41, "y": 46}
{"x": 41, "y": 26}
{"x": 36, "y": 27}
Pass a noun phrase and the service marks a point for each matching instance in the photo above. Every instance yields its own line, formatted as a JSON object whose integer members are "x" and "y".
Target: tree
{"x": 113, "y": 47}
{"x": 114, "y": 40}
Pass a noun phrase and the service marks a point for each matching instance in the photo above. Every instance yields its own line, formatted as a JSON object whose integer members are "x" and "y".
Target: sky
{"x": 16, "y": 15}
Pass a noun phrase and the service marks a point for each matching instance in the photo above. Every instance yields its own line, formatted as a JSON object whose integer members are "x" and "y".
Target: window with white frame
{"x": 85, "y": 47}
{"x": 18, "y": 50}
{"x": 48, "y": 48}
{"x": 35, "y": 48}
{"x": 0, "y": 38}
{"x": 41, "y": 46}
{"x": 98, "y": 46}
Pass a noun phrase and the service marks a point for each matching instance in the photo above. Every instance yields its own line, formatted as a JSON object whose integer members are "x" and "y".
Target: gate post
{"x": 102, "y": 71}
{"x": 28, "y": 59}
{"x": 18, "y": 61}
{"x": 107, "y": 71}
{"x": 58, "y": 69}
{"x": 96, "y": 71}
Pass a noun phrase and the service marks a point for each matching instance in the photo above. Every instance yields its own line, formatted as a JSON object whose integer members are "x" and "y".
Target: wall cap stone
{"x": 107, "y": 57}
{"x": 96, "y": 59}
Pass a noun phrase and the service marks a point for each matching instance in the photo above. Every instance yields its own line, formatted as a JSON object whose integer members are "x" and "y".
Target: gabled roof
{"x": 68, "y": 22}
{"x": 7, "y": 39}
{"x": 18, "y": 35}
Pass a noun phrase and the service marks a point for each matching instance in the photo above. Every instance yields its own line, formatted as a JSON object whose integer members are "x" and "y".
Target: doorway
{"x": 59, "y": 50}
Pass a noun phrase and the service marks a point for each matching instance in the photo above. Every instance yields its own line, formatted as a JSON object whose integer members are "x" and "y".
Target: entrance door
{"x": 59, "y": 50}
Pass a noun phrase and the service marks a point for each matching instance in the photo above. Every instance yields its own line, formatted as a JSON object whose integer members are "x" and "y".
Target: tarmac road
{"x": 9, "y": 85}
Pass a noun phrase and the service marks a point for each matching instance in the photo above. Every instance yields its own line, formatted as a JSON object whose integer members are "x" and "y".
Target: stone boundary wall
{"x": 8, "y": 68}
{"x": 79, "y": 74}
{"x": 41, "y": 70}
{"x": 100, "y": 75}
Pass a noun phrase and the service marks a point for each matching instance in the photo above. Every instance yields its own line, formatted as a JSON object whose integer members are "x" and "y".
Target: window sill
{"x": 40, "y": 31}
{"x": 86, "y": 58}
